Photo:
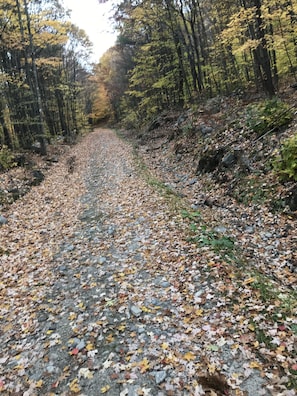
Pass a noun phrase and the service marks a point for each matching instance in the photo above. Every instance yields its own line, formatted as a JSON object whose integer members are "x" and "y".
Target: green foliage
{"x": 6, "y": 158}
{"x": 285, "y": 164}
{"x": 220, "y": 244}
{"x": 267, "y": 115}
{"x": 191, "y": 215}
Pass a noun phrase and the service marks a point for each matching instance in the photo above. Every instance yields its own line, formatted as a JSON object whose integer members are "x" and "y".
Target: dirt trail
{"x": 100, "y": 293}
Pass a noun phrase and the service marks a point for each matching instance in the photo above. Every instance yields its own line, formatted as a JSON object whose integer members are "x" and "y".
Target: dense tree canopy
{"x": 168, "y": 53}
{"x": 42, "y": 70}
{"x": 175, "y": 52}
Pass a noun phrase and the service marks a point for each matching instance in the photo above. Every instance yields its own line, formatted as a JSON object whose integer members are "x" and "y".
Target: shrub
{"x": 267, "y": 115}
{"x": 285, "y": 164}
{"x": 6, "y": 158}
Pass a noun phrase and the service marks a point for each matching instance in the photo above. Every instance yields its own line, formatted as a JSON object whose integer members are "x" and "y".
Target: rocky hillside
{"x": 210, "y": 156}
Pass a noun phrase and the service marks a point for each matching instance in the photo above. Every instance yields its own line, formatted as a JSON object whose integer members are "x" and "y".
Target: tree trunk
{"x": 41, "y": 137}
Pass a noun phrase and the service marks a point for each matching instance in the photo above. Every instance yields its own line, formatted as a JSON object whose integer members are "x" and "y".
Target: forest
{"x": 168, "y": 54}
{"x": 148, "y": 201}
{"x": 178, "y": 53}
{"x": 43, "y": 75}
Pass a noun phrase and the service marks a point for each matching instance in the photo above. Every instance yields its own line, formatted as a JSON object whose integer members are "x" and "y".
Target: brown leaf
{"x": 216, "y": 382}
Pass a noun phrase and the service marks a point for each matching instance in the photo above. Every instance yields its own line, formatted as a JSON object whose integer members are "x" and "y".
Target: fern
{"x": 285, "y": 164}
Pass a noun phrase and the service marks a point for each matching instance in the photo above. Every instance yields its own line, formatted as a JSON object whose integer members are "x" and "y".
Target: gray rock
{"x": 193, "y": 181}
{"x": 38, "y": 177}
{"x": 69, "y": 248}
{"x": 164, "y": 284}
{"x": 3, "y": 220}
{"x": 268, "y": 235}
{"x": 160, "y": 376}
{"x": 51, "y": 326}
{"x": 269, "y": 247}
{"x": 102, "y": 260}
{"x": 140, "y": 329}
{"x": 42, "y": 316}
{"x": 228, "y": 160}
{"x": 133, "y": 390}
{"x": 199, "y": 293}
{"x": 249, "y": 230}
{"x": 220, "y": 229}
{"x": 135, "y": 311}
{"x": 205, "y": 129}
{"x": 50, "y": 369}
{"x": 111, "y": 230}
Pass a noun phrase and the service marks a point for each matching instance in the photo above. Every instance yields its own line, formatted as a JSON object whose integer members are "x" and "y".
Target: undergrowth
{"x": 267, "y": 115}
{"x": 285, "y": 164}
{"x": 6, "y": 158}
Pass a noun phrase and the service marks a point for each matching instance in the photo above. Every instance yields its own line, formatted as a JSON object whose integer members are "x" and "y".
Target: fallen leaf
{"x": 74, "y": 386}
{"x": 144, "y": 365}
{"x": 85, "y": 373}
{"x": 189, "y": 356}
{"x": 255, "y": 365}
{"x": 105, "y": 389}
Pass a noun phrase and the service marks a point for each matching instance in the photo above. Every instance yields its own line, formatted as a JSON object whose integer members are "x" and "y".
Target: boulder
{"x": 38, "y": 177}
{"x": 229, "y": 160}
{"x": 3, "y": 220}
{"x": 210, "y": 160}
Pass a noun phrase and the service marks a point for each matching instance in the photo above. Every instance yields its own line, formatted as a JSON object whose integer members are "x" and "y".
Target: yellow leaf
{"x": 89, "y": 347}
{"x": 105, "y": 389}
{"x": 144, "y": 365}
{"x": 145, "y": 309}
{"x": 164, "y": 345}
{"x": 255, "y": 365}
{"x": 122, "y": 327}
{"x": 81, "y": 305}
{"x": 251, "y": 327}
{"x": 49, "y": 332}
{"x": 74, "y": 387}
{"x": 189, "y": 356}
{"x": 72, "y": 316}
{"x": 248, "y": 281}
{"x": 39, "y": 384}
{"x": 199, "y": 312}
{"x": 280, "y": 349}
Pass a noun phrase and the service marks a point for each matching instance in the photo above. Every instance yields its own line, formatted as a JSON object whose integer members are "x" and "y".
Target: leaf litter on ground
{"x": 103, "y": 292}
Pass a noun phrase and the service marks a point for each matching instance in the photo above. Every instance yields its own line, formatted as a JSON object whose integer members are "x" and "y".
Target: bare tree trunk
{"x": 41, "y": 137}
